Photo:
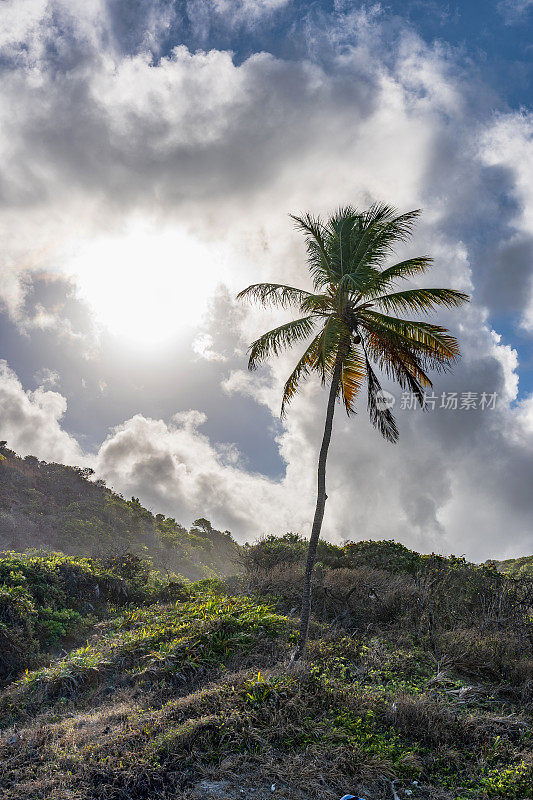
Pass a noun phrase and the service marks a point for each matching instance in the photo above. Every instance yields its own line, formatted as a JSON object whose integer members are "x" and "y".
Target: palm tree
{"x": 348, "y": 316}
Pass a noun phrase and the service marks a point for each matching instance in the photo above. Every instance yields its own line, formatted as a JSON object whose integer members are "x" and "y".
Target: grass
{"x": 165, "y": 694}
{"x": 49, "y": 601}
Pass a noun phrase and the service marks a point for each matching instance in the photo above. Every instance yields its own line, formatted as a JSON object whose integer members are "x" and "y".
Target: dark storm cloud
{"x": 505, "y": 281}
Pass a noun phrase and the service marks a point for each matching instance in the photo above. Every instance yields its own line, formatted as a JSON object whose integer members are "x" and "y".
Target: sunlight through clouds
{"x": 146, "y": 284}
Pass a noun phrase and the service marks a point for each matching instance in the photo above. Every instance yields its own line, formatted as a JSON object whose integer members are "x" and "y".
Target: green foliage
{"x": 56, "y": 507}
{"x": 166, "y": 695}
{"x": 389, "y": 555}
{"x": 515, "y": 781}
{"x": 291, "y": 548}
{"x": 49, "y": 599}
{"x": 516, "y": 567}
{"x": 157, "y": 643}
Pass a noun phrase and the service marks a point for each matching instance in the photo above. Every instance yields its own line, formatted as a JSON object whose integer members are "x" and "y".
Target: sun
{"x": 145, "y": 285}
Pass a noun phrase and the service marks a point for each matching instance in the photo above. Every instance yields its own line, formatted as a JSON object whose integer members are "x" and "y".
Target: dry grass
{"x": 196, "y": 700}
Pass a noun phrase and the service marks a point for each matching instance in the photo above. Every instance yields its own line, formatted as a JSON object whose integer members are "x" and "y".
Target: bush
{"x": 49, "y": 599}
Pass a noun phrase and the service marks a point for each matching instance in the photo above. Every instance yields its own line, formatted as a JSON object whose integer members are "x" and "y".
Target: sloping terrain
{"x": 517, "y": 566}
{"x": 61, "y": 508}
{"x": 197, "y": 698}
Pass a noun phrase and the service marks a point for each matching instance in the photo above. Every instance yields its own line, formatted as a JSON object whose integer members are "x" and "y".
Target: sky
{"x": 151, "y": 153}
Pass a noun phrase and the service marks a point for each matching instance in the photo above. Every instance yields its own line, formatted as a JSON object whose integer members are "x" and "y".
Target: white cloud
{"x": 174, "y": 467}
{"x": 238, "y": 11}
{"x": 47, "y": 378}
{"x": 203, "y": 346}
{"x": 508, "y": 143}
{"x": 513, "y": 11}
{"x": 95, "y": 136}
{"x": 31, "y": 421}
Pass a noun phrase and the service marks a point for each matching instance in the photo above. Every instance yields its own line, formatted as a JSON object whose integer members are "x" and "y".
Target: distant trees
{"x": 5, "y": 452}
{"x": 58, "y": 507}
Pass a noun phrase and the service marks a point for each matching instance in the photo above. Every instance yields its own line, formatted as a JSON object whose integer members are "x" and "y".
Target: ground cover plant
{"x": 426, "y": 691}
{"x": 48, "y": 601}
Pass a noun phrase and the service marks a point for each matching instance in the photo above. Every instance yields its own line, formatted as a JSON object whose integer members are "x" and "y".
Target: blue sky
{"x": 152, "y": 152}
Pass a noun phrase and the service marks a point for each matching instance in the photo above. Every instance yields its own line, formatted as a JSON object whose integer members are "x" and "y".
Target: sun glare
{"x": 145, "y": 285}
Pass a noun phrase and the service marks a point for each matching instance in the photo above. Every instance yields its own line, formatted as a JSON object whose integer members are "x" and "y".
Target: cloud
{"x": 508, "y": 143}
{"x": 31, "y": 421}
{"x": 111, "y": 118}
{"x": 47, "y": 378}
{"x": 513, "y": 11}
{"x": 174, "y": 467}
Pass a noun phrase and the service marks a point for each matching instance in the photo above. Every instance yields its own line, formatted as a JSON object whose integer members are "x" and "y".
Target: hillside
{"x": 61, "y": 508}
{"x": 419, "y": 680}
{"x": 517, "y": 566}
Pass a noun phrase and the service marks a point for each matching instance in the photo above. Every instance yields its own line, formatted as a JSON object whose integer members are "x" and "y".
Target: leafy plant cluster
{"x": 517, "y": 567}
{"x": 161, "y": 643}
{"x": 49, "y": 600}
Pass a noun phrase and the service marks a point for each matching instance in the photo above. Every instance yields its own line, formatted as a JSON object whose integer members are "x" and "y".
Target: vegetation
{"x": 351, "y": 306}
{"x": 516, "y": 566}
{"x": 48, "y": 601}
{"x": 419, "y": 677}
{"x": 122, "y": 681}
{"x": 61, "y": 508}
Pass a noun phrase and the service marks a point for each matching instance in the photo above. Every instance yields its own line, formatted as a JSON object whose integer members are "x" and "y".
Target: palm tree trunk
{"x": 319, "y": 510}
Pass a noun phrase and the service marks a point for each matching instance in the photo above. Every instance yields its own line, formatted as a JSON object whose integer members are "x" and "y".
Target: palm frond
{"x": 433, "y": 340}
{"x": 317, "y": 304}
{"x": 402, "y": 270}
{"x": 318, "y": 260}
{"x": 335, "y": 336}
{"x": 340, "y": 228}
{"x": 403, "y": 365}
{"x": 381, "y": 418}
{"x": 384, "y": 344}
{"x": 380, "y": 231}
{"x": 302, "y": 369}
{"x": 275, "y": 294}
{"x": 422, "y": 300}
{"x": 352, "y": 378}
{"x": 278, "y": 339}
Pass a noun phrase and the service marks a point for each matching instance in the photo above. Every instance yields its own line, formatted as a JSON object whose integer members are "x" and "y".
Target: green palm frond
{"x": 305, "y": 365}
{"x": 340, "y": 226}
{"x": 404, "y": 366}
{"x": 320, "y": 304}
{"x": 382, "y": 344}
{"x": 275, "y": 294}
{"x": 402, "y": 270}
{"x": 278, "y": 339}
{"x": 334, "y": 339}
{"x": 354, "y": 283}
{"x": 382, "y": 231}
{"x": 434, "y": 340}
{"x": 318, "y": 260}
{"x": 422, "y": 300}
{"x": 352, "y": 378}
